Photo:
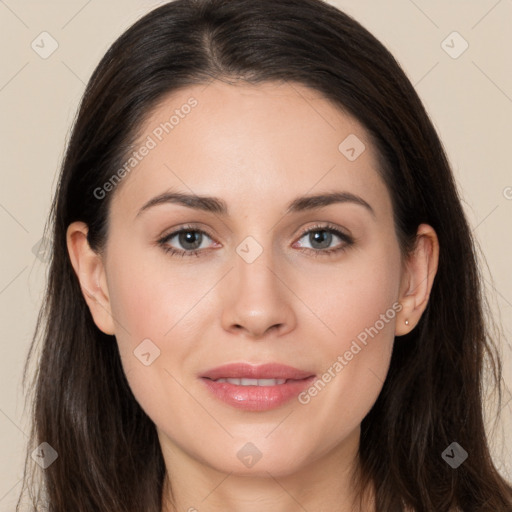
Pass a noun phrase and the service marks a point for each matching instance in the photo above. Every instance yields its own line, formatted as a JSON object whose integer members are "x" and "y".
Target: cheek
{"x": 158, "y": 307}
{"x": 356, "y": 294}
{"x": 362, "y": 313}
{"x": 145, "y": 309}
{"x": 150, "y": 295}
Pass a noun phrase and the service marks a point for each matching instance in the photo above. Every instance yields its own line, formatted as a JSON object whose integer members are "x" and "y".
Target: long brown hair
{"x": 109, "y": 458}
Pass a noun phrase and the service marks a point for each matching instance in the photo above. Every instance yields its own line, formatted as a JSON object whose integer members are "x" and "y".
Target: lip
{"x": 249, "y": 371}
{"x": 256, "y": 398}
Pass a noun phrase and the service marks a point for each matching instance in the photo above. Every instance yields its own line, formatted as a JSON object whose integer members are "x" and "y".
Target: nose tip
{"x": 256, "y": 301}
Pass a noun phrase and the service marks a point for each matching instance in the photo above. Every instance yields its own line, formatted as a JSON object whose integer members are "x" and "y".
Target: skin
{"x": 257, "y": 148}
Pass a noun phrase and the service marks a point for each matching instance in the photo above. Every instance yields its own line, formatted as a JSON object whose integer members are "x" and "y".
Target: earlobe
{"x": 89, "y": 268}
{"x": 417, "y": 279}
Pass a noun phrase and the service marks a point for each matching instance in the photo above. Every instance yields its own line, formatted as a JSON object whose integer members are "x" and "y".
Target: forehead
{"x": 249, "y": 144}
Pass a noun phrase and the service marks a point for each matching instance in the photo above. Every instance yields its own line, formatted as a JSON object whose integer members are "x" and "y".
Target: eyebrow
{"x": 219, "y": 206}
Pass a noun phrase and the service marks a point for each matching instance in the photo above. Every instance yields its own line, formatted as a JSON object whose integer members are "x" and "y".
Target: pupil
{"x": 322, "y": 236}
{"x": 189, "y": 237}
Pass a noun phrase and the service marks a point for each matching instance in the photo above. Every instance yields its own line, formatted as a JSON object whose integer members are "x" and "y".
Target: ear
{"x": 89, "y": 268}
{"x": 417, "y": 279}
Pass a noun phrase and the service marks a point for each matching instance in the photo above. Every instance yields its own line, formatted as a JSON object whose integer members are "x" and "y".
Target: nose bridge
{"x": 257, "y": 297}
{"x": 254, "y": 269}
{"x": 254, "y": 263}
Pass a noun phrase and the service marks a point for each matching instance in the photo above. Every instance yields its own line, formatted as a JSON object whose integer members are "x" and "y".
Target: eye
{"x": 321, "y": 238}
{"x": 190, "y": 238}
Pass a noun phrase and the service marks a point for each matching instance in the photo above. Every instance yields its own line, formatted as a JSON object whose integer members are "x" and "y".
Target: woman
{"x": 321, "y": 344}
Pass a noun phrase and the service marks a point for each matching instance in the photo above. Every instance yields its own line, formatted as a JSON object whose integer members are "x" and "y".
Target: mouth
{"x": 256, "y": 388}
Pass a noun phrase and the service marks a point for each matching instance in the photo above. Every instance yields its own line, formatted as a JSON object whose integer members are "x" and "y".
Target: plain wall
{"x": 469, "y": 99}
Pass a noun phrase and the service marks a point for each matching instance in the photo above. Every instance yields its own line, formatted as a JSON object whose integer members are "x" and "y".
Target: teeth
{"x": 253, "y": 382}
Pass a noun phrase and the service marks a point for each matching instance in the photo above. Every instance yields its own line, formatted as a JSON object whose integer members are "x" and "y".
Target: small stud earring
{"x": 407, "y": 322}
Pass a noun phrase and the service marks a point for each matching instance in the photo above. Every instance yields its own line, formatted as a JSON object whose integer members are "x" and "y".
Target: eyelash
{"x": 329, "y": 228}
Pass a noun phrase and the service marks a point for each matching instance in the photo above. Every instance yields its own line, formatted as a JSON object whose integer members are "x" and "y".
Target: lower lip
{"x": 257, "y": 398}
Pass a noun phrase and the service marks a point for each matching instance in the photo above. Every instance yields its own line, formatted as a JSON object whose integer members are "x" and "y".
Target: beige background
{"x": 469, "y": 99}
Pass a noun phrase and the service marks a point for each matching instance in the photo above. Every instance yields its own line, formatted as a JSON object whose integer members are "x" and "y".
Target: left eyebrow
{"x": 218, "y": 206}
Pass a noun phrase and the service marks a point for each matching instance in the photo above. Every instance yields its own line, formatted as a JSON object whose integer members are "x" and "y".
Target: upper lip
{"x": 250, "y": 371}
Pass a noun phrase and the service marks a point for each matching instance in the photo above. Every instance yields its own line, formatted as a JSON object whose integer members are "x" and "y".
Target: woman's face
{"x": 270, "y": 282}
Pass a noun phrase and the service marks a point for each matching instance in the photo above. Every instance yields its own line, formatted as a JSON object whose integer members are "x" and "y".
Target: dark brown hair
{"x": 109, "y": 455}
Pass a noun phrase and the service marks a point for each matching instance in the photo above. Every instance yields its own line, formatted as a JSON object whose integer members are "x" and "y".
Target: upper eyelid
{"x": 325, "y": 227}
{"x": 182, "y": 229}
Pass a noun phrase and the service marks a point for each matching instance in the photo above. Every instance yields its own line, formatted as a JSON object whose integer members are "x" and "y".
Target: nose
{"x": 257, "y": 299}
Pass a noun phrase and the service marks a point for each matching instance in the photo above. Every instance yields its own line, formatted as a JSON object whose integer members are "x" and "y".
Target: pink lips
{"x": 253, "y": 397}
{"x": 248, "y": 371}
